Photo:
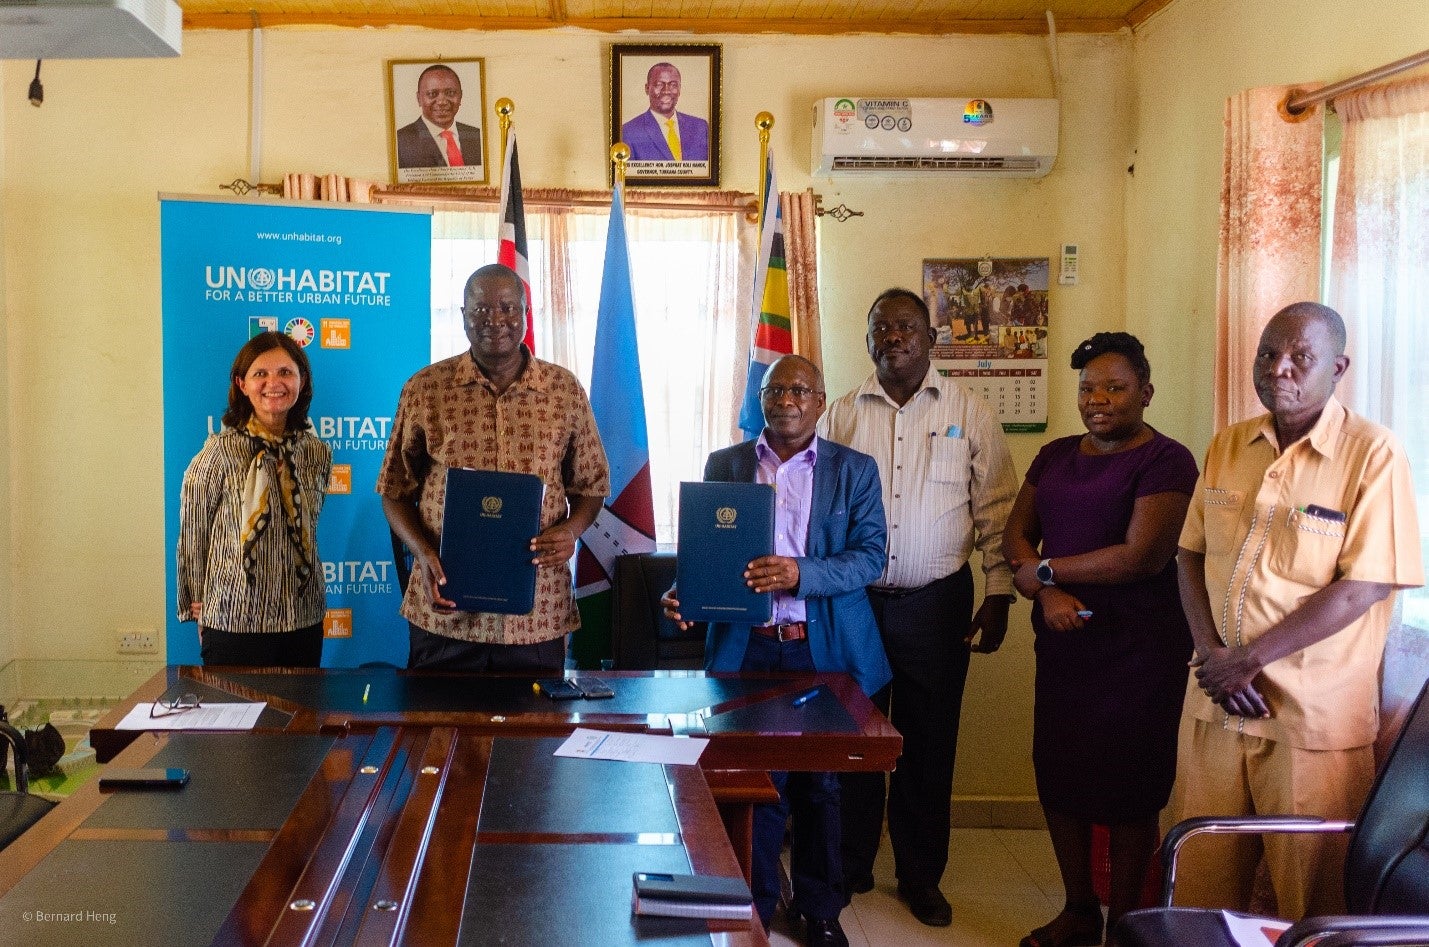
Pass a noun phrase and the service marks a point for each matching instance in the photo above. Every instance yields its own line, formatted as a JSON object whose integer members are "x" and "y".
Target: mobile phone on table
{"x": 559, "y": 688}
{"x": 146, "y": 778}
{"x": 594, "y": 688}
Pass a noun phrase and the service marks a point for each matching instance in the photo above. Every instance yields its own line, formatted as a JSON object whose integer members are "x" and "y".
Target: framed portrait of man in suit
{"x": 664, "y": 105}
{"x": 436, "y": 112}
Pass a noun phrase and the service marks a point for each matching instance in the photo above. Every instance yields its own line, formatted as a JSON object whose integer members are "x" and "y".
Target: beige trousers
{"x": 1222, "y": 772}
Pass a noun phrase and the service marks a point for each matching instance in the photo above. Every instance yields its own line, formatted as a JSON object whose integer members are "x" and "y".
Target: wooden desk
{"x": 749, "y": 719}
{"x": 413, "y": 835}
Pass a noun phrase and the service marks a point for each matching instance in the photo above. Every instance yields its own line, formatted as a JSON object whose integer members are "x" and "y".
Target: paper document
{"x": 632, "y": 747}
{"x": 1254, "y": 931}
{"x": 206, "y": 717}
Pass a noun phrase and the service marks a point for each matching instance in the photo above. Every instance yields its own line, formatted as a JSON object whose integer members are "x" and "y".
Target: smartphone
{"x": 154, "y": 778}
{"x": 593, "y": 688}
{"x": 559, "y": 688}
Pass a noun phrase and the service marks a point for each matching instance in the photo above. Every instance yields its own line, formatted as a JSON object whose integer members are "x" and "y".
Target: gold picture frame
{"x": 682, "y": 83}
{"x": 435, "y": 133}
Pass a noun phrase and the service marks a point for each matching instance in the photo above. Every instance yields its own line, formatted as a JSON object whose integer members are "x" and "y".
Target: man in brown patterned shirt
{"x": 496, "y": 407}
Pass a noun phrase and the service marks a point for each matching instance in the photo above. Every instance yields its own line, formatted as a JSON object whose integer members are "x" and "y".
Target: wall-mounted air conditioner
{"x": 90, "y": 29}
{"x": 1014, "y": 138}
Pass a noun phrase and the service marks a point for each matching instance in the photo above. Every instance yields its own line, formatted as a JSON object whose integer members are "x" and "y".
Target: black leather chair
{"x": 19, "y": 809}
{"x": 1386, "y": 869}
{"x": 641, "y": 637}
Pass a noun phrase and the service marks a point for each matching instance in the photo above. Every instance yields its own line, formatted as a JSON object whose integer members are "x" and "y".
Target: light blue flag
{"x": 627, "y": 522}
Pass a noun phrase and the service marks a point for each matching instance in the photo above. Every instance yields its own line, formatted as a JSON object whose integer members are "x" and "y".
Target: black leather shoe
{"x": 927, "y": 904}
{"x": 825, "y": 934}
{"x": 860, "y": 884}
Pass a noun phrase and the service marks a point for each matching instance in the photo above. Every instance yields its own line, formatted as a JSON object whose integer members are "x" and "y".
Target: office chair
{"x": 19, "y": 809}
{"x": 641, "y": 637}
{"x": 1386, "y": 868}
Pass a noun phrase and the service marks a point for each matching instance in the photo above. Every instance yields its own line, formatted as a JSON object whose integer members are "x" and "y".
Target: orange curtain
{"x": 801, "y": 262}
{"x": 1270, "y": 233}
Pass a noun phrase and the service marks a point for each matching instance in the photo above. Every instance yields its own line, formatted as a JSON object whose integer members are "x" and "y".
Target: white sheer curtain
{"x": 691, "y": 274}
{"x": 1379, "y": 281}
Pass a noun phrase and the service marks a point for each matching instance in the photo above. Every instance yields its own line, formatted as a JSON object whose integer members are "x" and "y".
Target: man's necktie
{"x": 453, "y": 152}
{"x": 672, "y": 136}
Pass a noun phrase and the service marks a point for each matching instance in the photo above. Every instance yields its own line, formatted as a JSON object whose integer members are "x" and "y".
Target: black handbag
{"x": 18, "y": 808}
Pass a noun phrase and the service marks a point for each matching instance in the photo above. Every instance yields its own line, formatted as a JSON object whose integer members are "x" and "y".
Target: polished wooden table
{"x": 417, "y": 835}
{"x": 750, "y": 720}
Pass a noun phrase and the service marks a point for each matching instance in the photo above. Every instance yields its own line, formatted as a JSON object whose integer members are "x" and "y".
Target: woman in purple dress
{"x": 1093, "y": 539}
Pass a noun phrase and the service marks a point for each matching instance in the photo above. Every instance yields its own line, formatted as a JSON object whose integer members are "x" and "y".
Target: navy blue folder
{"x": 723, "y": 526}
{"x": 488, "y": 523}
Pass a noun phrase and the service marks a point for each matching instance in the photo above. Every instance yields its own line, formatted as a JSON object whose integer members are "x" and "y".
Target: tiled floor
{"x": 1001, "y": 883}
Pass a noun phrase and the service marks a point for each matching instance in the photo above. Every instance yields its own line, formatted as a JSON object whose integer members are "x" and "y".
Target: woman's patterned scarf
{"x": 273, "y": 461}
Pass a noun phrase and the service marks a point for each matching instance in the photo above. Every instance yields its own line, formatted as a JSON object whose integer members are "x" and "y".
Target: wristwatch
{"x": 1045, "y": 575}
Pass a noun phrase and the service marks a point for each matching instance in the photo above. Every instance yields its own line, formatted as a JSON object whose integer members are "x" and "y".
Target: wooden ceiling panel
{"x": 695, "y": 16}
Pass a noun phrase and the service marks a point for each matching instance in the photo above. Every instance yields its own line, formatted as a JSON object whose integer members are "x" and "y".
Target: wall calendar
{"x": 990, "y": 316}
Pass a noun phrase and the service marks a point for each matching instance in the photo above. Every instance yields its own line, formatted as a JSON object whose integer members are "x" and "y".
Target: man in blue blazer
{"x": 648, "y": 134}
{"x": 829, "y": 540}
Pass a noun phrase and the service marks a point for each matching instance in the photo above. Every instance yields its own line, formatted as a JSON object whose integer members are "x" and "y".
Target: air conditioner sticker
{"x": 887, "y": 114}
{"x": 977, "y": 112}
{"x": 845, "y": 112}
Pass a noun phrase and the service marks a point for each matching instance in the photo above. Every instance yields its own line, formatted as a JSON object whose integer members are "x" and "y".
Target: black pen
{"x": 805, "y": 697}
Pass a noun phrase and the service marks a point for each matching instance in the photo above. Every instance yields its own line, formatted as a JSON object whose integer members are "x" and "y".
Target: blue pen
{"x": 804, "y": 698}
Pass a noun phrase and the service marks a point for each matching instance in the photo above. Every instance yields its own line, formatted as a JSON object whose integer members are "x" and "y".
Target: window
{"x": 1378, "y": 275}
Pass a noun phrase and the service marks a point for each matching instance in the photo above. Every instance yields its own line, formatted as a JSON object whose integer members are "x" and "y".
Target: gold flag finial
{"x": 764, "y": 121}
{"x": 504, "y": 110}
{"x": 619, "y": 155}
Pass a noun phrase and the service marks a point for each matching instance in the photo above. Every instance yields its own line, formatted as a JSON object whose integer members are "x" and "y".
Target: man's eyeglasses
{"x": 164, "y": 707}
{"x": 776, "y": 392}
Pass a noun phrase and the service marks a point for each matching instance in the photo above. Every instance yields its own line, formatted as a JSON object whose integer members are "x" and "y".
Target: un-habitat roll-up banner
{"x": 353, "y": 286}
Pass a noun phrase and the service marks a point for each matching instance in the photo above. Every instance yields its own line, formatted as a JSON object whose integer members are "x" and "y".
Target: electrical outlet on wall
{"x": 138, "y": 641}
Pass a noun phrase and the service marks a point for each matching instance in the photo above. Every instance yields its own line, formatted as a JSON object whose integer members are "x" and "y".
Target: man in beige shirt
{"x": 496, "y": 407}
{"x": 1301, "y": 529}
{"x": 948, "y": 485}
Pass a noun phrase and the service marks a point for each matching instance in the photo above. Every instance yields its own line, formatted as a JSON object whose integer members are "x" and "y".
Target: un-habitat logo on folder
{"x": 723, "y": 527}
{"x": 488, "y": 523}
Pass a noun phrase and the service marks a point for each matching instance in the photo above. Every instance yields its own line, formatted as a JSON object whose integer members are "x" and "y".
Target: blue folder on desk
{"x": 723, "y": 526}
{"x": 488, "y": 523}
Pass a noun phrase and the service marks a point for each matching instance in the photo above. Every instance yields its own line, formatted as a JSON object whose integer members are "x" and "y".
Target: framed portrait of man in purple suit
{"x": 665, "y": 107}
{"x": 435, "y": 121}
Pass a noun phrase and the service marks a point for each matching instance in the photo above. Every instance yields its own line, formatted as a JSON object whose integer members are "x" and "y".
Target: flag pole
{"x": 619, "y": 154}
{"x": 764, "y": 122}
{"x": 504, "y": 109}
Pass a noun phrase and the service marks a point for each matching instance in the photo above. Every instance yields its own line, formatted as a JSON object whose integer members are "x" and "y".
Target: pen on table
{"x": 805, "y": 697}
{"x": 367, "y": 689}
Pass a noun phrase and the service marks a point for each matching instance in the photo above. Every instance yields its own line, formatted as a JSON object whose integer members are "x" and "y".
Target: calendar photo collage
{"x": 990, "y": 316}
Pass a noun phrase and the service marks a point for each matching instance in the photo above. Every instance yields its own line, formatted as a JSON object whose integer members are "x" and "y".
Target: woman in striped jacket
{"x": 248, "y": 564}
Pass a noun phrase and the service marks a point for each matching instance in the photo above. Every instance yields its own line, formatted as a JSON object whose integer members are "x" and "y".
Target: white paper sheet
{"x": 632, "y": 747}
{"x": 207, "y": 717}
{"x": 1254, "y": 931}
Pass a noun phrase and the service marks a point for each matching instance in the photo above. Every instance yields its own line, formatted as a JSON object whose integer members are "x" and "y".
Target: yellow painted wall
{"x": 7, "y": 615}
{"x": 1187, "y": 60}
